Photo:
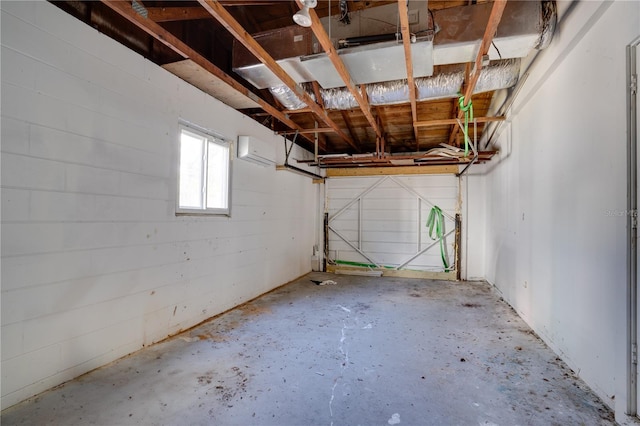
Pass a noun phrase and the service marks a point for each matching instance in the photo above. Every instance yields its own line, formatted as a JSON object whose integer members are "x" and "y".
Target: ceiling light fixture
{"x": 302, "y": 17}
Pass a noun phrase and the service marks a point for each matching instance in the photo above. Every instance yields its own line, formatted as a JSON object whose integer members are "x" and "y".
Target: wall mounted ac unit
{"x": 253, "y": 149}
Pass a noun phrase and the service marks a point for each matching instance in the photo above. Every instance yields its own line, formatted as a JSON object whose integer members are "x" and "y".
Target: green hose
{"x": 468, "y": 115}
{"x": 436, "y": 222}
{"x": 360, "y": 264}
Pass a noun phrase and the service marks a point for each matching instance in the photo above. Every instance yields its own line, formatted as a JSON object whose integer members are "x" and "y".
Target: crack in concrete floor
{"x": 410, "y": 352}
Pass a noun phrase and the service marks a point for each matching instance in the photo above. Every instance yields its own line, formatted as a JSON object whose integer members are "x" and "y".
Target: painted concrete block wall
{"x": 555, "y": 241}
{"x": 95, "y": 263}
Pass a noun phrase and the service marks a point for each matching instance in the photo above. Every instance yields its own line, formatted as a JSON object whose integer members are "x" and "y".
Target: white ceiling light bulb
{"x": 302, "y": 17}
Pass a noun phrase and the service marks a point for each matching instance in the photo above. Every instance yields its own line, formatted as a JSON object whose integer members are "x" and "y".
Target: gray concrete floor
{"x": 367, "y": 351}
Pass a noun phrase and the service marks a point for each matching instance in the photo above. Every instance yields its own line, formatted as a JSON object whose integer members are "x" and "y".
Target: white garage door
{"x": 381, "y": 222}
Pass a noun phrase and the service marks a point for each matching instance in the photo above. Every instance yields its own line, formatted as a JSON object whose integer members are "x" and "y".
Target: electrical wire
{"x": 496, "y": 47}
{"x": 344, "y": 8}
{"x": 433, "y": 21}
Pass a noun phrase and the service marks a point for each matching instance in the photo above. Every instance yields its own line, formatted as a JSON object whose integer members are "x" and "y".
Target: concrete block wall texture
{"x": 95, "y": 263}
{"x": 551, "y": 247}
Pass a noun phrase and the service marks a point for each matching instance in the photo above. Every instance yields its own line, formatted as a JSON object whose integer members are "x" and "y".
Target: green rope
{"x": 468, "y": 115}
{"x": 360, "y": 264}
{"x": 436, "y": 222}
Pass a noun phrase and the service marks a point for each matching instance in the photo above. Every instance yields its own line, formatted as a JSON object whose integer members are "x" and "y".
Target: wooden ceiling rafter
{"x": 470, "y": 84}
{"x": 249, "y": 18}
{"x": 380, "y": 145}
{"x": 403, "y": 11}
{"x": 170, "y": 14}
{"x": 349, "y": 124}
{"x": 316, "y": 92}
{"x": 306, "y": 131}
{"x": 285, "y": 111}
{"x": 332, "y": 54}
{"x": 454, "y": 121}
{"x": 125, "y": 10}
{"x": 217, "y": 11}
{"x": 322, "y": 138}
{"x": 456, "y": 102}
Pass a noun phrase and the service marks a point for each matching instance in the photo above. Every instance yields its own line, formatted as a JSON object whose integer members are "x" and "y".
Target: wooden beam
{"x": 454, "y": 121}
{"x": 307, "y": 131}
{"x": 250, "y": 19}
{"x": 220, "y": 13}
{"x": 322, "y": 138}
{"x": 349, "y": 124}
{"x": 332, "y": 54}
{"x": 165, "y": 37}
{"x": 403, "y": 11}
{"x": 492, "y": 27}
{"x": 168, "y": 14}
{"x": 249, "y": 2}
{"x": 490, "y": 31}
{"x": 397, "y": 170}
{"x": 288, "y": 111}
{"x": 381, "y": 124}
{"x": 316, "y": 91}
{"x": 456, "y": 103}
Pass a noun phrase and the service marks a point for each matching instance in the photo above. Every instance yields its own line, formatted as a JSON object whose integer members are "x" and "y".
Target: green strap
{"x": 468, "y": 115}
{"x": 436, "y": 221}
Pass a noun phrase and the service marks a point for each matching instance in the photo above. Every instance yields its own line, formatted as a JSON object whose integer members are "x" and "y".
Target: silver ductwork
{"x": 498, "y": 75}
{"x": 452, "y": 37}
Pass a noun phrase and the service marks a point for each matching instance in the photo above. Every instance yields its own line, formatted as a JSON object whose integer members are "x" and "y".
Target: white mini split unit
{"x": 257, "y": 151}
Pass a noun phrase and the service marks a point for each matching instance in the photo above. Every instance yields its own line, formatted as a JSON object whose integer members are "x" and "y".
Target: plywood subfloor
{"x": 364, "y": 351}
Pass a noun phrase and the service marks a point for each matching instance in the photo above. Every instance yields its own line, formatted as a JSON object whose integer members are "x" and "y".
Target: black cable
{"x": 288, "y": 152}
{"x": 496, "y": 47}
{"x": 433, "y": 21}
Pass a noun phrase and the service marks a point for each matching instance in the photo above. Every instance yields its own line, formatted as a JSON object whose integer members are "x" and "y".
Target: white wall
{"x": 473, "y": 223}
{"x": 95, "y": 264}
{"x": 551, "y": 247}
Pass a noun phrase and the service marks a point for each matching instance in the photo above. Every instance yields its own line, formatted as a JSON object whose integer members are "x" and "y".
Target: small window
{"x": 204, "y": 173}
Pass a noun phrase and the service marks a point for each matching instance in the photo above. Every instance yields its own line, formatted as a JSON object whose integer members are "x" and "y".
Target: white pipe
{"x": 632, "y": 226}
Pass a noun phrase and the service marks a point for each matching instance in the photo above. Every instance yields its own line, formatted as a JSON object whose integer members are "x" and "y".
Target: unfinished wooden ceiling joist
{"x": 472, "y": 51}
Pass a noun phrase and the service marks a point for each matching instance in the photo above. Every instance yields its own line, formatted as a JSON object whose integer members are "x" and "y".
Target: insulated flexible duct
{"x": 499, "y": 75}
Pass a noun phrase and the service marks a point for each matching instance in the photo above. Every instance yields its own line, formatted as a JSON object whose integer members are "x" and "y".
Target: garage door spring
{"x": 435, "y": 221}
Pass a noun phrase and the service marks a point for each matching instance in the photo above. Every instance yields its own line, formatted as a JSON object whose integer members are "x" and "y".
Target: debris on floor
{"x": 325, "y": 282}
{"x": 395, "y": 419}
{"x": 370, "y": 351}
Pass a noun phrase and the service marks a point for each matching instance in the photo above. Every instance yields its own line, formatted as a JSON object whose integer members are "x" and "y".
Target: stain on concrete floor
{"x": 365, "y": 351}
